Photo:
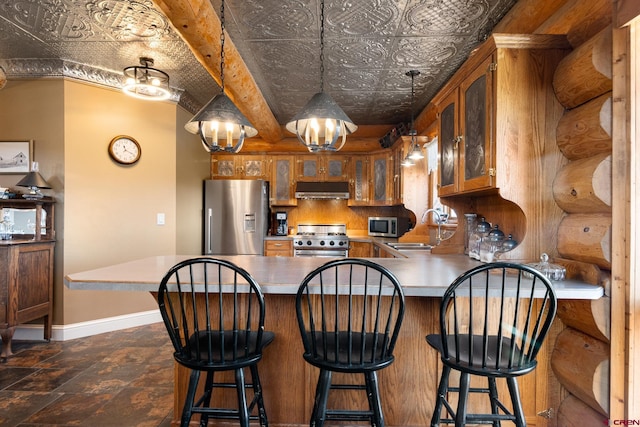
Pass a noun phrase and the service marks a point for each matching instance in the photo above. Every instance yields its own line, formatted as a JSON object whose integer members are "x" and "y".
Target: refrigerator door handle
{"x": 210, "y": 223}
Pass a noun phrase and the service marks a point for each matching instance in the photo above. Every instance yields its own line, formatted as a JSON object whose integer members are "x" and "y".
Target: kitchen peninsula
{"x": 287, "y": 380}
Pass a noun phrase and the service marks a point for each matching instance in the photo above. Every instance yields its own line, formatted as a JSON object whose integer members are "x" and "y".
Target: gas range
{"x": 328, "y": 240}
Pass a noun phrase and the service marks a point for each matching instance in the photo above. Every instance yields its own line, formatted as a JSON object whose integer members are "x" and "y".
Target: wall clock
{"x": 124, "y": 150}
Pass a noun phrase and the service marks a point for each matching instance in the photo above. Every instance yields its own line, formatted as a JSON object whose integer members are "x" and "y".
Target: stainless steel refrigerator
{"x": 236, "y": 217}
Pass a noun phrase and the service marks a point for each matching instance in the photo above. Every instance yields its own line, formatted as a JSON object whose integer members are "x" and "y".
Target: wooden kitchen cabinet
{"x": 282, "y": 183}
{"x": 359, "y": 180}
{"x": 26, "y": 272}
{"x": 396, "y": 178}
{"x": 322, "y": 167}
{"x": 235, "y": 166}
{"x": 360, "y": 249}
{"x": 467, "y": 151}
{"x": 279, "y": 247}
{"x": 382, "y": 179}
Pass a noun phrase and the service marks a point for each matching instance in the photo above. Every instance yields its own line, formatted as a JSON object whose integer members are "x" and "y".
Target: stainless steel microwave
{"x": 387, "y": 226}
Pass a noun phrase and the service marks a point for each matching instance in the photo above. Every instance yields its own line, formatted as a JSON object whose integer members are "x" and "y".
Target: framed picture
{"x": 15, "y": 156}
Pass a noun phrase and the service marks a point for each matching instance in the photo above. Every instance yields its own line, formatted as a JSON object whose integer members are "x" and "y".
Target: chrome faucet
{"x": 438, "y": 221}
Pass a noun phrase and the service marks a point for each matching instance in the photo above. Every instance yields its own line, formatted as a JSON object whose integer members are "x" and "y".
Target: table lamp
{"x": 34, "y": 182}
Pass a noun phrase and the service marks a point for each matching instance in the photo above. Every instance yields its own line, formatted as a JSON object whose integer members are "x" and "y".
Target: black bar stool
{"x": 214, "y": 312}
{"x": 493, "y": 320}
{"x": 349, "y": 312}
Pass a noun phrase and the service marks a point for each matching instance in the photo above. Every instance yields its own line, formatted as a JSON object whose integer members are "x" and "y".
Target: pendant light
{"x": 321, "y": 125}
{"x": 145, "y": 82}
{"x": 415, "y": 152}
{"x": 220, "y": 122}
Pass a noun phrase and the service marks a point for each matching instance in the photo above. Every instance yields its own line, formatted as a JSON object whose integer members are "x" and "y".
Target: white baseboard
{"x": 33, "y": 332}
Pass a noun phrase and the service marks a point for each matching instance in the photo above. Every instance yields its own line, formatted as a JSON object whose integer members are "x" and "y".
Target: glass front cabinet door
{"x": 465, "y": 152}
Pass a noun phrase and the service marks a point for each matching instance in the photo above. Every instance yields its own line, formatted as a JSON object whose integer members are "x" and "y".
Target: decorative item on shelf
{"x": 321, "y": 119}
{"x": 491, "y": 244}
{"x": 471, "y": 224}
{"x": 220, "y": 120}
{"x": 482, "y": 229}
{"x": 414, "y": 152}
{"x": 34, "y": 182}
{"x": 552, "y": 271}
{"x": 147, "y": 83}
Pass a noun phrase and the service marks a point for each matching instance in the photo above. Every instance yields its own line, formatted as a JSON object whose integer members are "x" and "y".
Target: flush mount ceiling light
{"x": 220, "y": 120}
{"x": 144, "y": 82}
{"x": 415, "y": 152}
{"x": 321, "y": 125}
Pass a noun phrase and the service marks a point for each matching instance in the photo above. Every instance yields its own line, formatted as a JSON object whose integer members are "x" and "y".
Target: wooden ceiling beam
{"x": 199, "y": 26}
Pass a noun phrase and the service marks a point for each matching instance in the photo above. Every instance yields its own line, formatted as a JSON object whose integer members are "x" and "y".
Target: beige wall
{"x": 110, "y": 210}
{"x": 34, "y": 110}
{"x": 106, "y": 213}
{"x": 193, "y": 166}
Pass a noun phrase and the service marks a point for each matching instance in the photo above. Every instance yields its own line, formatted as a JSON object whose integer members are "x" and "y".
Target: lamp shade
{"x": 221, "y": 121}
{"x": 320, "y": 123}
{"x": 33, "y": 180}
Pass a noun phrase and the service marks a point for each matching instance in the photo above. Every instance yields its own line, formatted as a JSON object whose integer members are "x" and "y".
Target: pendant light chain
{"x": 222, "y": 46}
{"x": 413, "y": 74}
{"x": 322, "y": 46}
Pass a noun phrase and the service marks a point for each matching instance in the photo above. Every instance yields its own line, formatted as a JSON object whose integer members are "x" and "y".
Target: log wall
{"x": 583, "y": 190}
{"x": 583, "y": 85}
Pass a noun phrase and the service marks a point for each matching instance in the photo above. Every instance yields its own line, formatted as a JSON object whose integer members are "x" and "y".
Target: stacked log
{"x": 582, "y": 189}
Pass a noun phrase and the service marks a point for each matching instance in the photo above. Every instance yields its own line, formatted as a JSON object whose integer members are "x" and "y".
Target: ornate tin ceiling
{"x": 369, "y": 46}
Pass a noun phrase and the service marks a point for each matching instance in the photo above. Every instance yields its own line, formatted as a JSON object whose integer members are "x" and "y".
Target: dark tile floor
{"x": 116, "y": 379}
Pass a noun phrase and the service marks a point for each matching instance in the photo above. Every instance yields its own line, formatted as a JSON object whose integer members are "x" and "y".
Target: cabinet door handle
{"x": 456, "y": 141}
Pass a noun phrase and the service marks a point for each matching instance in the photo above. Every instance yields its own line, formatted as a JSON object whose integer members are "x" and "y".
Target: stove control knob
{"x": 321, "y": 242}
{"x": 299, "y": 242}
{"x": 308, "y": 242}
{"x": 341, "y": 243}
{"x": 332, "y": 243}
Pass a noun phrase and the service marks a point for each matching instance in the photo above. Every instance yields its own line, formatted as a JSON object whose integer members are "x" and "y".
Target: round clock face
{"x": 124, "y": 150}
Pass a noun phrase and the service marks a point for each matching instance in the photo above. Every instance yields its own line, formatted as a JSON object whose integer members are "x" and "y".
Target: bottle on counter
{"x": 482, "y": 229}
{"x": 472, "y": 223}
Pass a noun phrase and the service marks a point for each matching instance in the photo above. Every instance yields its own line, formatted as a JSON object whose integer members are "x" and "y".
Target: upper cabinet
{"x": 282, "y": 182}
{"x": 359, "y": 180}
{"x": 382, "y": 179}
{"x": 497, "y": 119}
{"x": 239, "y": 166}
{"x": 321, "y": 167}
{"x": 467, "y": 154}
{"x": 494, "y": 109}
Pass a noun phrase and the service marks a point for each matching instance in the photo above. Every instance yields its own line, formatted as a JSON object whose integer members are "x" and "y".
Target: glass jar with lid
{"x": 482, "y": 229}
{"x": 491, "y": 244}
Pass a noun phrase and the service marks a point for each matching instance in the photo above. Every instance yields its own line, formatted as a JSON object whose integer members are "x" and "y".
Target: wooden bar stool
{"x": 214, "y": 312}
{"x": 493, "y": 320}
{"x": 349, "y": 312}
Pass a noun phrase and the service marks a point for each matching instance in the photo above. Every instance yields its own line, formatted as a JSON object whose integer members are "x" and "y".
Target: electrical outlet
{"x": 160, "y": 219}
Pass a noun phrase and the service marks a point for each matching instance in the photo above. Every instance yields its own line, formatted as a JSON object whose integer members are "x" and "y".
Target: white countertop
{"x": 425, "y": 276}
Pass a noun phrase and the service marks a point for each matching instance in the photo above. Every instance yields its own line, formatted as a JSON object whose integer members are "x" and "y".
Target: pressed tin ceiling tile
{"x": 369, "y": 47}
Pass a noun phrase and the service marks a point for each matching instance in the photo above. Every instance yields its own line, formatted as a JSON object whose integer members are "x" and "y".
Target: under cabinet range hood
{"x": 322, "y": 190}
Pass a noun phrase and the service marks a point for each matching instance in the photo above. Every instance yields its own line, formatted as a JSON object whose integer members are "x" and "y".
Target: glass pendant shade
{"x": 144, "y": 82}
{"x": 415, "y": 152}
{"x": 219, "y": 124}
{"x": 321, "y": 125}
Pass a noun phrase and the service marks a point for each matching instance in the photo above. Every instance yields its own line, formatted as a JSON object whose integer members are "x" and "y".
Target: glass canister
{"x": 552, "y": 271}
{"x": 472, "y": 223}
{"x": 491, "y": 244}
{"x": 482, "y": 229}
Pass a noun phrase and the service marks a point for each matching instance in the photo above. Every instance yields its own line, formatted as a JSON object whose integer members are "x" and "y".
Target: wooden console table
{"x": 26, "y": 272}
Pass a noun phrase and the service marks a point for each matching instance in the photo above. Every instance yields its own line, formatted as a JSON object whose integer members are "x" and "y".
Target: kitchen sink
{"x": 410, "y": 246}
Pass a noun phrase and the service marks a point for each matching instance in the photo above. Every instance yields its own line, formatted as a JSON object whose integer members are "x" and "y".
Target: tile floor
{"x": 116, "y": 379}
